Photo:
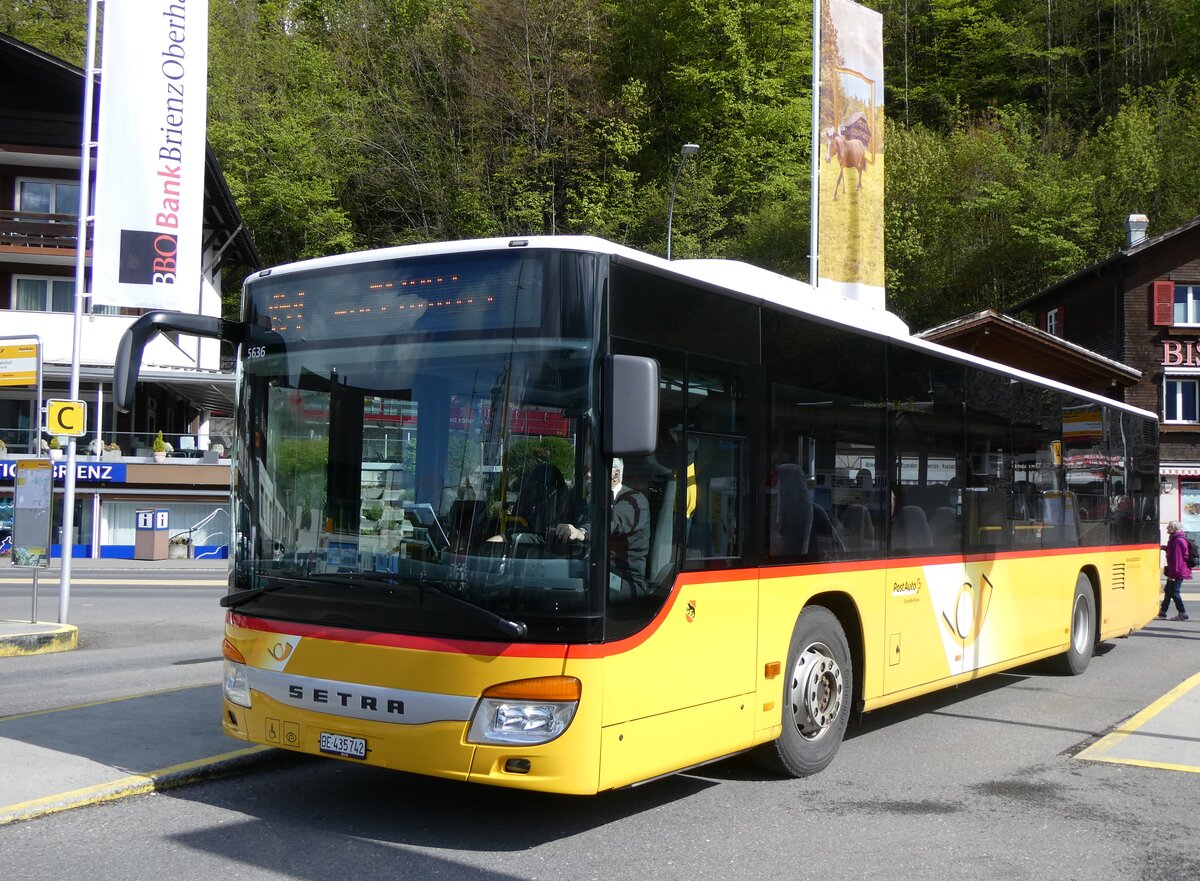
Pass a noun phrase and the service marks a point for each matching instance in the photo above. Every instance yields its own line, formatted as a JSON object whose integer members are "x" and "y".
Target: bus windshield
{"x": 411, "y": 438}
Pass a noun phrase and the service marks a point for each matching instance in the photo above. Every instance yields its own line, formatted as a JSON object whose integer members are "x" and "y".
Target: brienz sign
{"x": 85, "y": 472}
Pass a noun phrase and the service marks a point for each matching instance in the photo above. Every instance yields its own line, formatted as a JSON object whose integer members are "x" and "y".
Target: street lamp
{"x": 686, "y": 151}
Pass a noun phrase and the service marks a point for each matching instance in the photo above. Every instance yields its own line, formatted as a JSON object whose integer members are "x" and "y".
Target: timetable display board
{"x": 33, "y": 491}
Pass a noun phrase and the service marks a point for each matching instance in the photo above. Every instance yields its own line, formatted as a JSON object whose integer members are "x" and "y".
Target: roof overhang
{"x": 1003, "y": 338}
{"x": 203, "y": 389}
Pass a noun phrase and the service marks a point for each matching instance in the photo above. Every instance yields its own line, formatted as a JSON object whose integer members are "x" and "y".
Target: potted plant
{"x": 112, "y": 451}
{"x": 3, "y": 448}
{"x": 160, "y": 448}
{"x": 55, "y": 449}
{"x": 180, "y": 547}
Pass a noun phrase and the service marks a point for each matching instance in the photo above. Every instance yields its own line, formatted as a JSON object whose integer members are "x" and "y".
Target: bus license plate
{"x": 340, "y": 745}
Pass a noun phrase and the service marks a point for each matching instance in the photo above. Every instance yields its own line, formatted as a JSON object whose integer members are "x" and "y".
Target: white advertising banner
{"x": 851, "y": 111}
{"x": 150, "y": 157}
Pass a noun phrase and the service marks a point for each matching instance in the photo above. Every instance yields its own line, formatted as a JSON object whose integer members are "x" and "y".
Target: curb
{"x": 37, "y": 639}
{"x": 140, "y": 784}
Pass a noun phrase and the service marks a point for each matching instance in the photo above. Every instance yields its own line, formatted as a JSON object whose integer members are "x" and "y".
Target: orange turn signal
{"x": 543, "y": 688}
{"x": 231, "y": 653}
{"x": 771, "y": 670}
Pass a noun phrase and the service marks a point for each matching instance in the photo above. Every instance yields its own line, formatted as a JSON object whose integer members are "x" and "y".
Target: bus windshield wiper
{"x": 503, "y": 626}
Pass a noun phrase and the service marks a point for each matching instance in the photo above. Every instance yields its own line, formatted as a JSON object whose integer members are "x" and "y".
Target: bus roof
{"x": 744, "y": 280}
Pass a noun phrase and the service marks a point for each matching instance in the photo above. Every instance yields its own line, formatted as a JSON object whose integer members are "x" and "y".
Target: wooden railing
{"x": 35, "y": 229}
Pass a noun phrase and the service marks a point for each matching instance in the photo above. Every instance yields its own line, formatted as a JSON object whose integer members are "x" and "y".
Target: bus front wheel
{"x": 816, "y": 697}
{"x": 1075, "y": 659}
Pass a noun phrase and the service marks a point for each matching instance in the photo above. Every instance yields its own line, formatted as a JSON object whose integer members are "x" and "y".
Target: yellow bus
{"x": 554, "y": 514}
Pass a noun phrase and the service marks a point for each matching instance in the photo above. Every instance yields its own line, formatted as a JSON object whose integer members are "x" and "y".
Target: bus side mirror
{"x": 630, "y": 405}
{"x": 133, "y": 342}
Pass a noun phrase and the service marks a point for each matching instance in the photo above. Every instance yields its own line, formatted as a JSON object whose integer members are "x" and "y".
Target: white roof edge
{"x": 743, "y": 278}
{"x": 786, "y": 291}
{"x": 1017, "y": 373}
{"x": 734, "y": 275}
{"x": 459, "y": 246}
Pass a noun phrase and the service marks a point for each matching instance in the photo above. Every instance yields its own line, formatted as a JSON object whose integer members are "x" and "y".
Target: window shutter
{"x": 1163, "y": 297}
{"x": 1062, "y": 326}
{"x": 1041, "y": 320}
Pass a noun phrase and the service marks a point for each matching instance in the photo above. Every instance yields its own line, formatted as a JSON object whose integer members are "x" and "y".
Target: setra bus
{"x": 554, "y": 514}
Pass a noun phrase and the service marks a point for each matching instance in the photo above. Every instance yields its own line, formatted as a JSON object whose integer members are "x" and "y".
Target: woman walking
{"x": 1177, "y": 570}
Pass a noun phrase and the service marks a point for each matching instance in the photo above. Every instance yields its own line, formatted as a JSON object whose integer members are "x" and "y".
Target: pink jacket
{"x": 1177, "y": 553}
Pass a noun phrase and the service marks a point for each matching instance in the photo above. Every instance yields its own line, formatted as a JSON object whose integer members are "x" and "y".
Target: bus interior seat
{"x": 910, "y": 529}
{"x": 657, "y": 482}
{"x": 793, "y": 520}
{"x": 468, "y": 523}
{"x": 662, "y": 546}
{"x": 857, "y": 527}
{"x": 1057, "y": 510}
{"x": 826, "y": 540}
{"x": 928, "y": 497}
{"x": 943, "y": 527}
{"x": 542, "y": 499}
{"x": 1025, "y": 497}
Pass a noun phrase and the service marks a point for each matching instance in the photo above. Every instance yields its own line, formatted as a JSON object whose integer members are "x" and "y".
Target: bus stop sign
{"x": 66, "y": 417}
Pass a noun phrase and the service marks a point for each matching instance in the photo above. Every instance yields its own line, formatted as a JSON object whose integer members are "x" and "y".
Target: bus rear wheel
{"x": 1075, "y": 659}
{"x": 816, "y": 697}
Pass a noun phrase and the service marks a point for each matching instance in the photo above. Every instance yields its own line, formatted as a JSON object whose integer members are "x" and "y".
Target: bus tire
{"x": 816, "y": 697}
{"x": 1075, "y": 659}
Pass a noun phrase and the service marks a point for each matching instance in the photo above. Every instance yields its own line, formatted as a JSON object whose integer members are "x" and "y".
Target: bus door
{"x": 687, "y": 636}
{"x": 927, "y": 580}
{"x": 929, "y": 593}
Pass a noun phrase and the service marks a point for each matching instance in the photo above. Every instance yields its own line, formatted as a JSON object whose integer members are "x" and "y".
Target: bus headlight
{"x": 237, "y": 688}
{"x": 527, "y": 711}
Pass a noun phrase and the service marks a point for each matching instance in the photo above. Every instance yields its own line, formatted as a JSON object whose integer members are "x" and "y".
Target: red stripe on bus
{"x": 398, "y": 640}
{"x": 684, "y": 579}
{"x": 789, "y": 571}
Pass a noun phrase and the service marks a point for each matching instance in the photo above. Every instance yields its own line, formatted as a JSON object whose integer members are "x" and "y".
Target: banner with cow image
{"x": 850, "y": 138}
{"x": 150, "y": 158}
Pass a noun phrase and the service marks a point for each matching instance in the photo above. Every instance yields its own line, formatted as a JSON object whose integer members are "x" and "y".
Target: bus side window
{"x": 825, "y": 474}
{"x": 714, "y": 525}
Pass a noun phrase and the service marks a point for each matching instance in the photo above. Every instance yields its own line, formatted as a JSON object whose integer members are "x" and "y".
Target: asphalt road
{"x": 977, "y": 782}
{"x": 137, "y": 633}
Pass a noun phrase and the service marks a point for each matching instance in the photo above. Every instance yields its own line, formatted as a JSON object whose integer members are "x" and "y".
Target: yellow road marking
{"x": 1101, "y": 749}
{"x": 1142, "y": 763}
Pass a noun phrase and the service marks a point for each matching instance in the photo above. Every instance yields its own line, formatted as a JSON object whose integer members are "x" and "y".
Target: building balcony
{"x": 19, "y": 442}
{"x": 32, "y": 237}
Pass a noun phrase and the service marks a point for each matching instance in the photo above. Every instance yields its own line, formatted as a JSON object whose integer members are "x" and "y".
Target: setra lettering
{"x": 368, "y": 702}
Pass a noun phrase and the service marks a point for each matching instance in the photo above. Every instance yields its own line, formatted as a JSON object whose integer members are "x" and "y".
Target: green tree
{"x": 524, "y": 454}
{"x": 982, "y": 218}
{"x": 56, "y": 27}
{"x": 283, "y": 125}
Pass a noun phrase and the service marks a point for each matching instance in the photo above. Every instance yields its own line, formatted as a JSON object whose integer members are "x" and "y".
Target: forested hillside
{"x": 1020, "y": 134}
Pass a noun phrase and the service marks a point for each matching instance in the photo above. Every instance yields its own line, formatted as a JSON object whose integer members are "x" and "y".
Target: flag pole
{"x": 65, "y": 541}
{"x": 814, "y": 198}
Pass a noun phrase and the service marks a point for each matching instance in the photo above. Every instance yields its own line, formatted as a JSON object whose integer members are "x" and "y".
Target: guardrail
{"x": 140, "y": 445}
{"x": 192, "y": 530}
{"x": 37, "y": 229}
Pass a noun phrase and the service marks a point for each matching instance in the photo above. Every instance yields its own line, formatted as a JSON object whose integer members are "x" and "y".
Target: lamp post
{"x": 686, "y": 151}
